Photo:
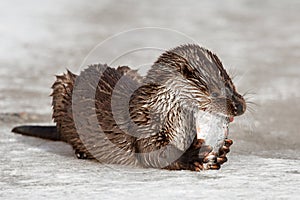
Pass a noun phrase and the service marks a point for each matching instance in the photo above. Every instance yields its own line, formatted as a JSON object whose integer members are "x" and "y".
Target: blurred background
{"x": 257, "y": 41}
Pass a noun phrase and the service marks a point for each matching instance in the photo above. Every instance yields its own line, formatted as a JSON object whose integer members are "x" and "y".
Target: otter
{"x": 117, "y": 116}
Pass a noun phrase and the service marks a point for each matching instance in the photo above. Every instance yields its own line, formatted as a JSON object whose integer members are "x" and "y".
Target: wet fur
{"x": 158, "y": 130}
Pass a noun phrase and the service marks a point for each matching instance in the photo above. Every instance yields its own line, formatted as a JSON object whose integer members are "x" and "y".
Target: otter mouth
{"x": 229, "y": 119}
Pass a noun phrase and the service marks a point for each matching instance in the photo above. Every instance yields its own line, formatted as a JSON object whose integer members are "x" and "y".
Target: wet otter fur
{"x": 118, "y": 117}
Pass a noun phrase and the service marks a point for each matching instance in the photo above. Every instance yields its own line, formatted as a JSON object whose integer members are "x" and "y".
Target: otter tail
{"x": 45, "y": 132}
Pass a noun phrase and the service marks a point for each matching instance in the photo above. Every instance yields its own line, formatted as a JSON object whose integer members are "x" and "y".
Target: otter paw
{"x": 197, "y": 154}
{"x": 225, "y": 148}
{"x": 211, "y": 166}
{"x": 228, "y": 142}
{"x": 213, "y": 162}
{"x": 221, "y": 160}
{"x": 199, "y": 149}
{"x": 197, "y": 166}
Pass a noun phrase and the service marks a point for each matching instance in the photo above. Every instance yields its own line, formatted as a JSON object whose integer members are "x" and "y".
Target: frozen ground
{"x": 258, "y": 40}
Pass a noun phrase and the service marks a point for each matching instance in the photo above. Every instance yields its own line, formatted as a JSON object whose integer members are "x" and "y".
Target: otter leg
{"x": 178, "y": 165}
{"x": 192, "y": 159}
{"x": 198, "y": 157}
{"x": 197, "y": 153}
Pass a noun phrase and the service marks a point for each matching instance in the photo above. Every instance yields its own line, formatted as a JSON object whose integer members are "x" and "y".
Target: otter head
{"x": 196, "y": 77}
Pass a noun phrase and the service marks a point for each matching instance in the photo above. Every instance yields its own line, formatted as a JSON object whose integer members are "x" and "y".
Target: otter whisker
{"x": 233, "y": 73}
{"x": 249, "y": 92}
{"x": 251, "y": 103}
{"x": 246, "y": 122}
{"x": 251, "y": 110}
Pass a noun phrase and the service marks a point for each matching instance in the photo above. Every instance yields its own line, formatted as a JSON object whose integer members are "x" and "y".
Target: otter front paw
{"x": 192, "y": 159}
{"x": 215, "y": 160}
{"x": 196, "y": 153}
{"x": 224, "y": 150}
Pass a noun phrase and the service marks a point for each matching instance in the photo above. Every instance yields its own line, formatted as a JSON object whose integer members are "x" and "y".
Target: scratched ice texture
{"x": 258, "y": 41}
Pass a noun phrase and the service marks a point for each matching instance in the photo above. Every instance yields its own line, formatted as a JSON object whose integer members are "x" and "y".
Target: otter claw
{"x": 228, "y": 142}
{"x": 198, "y": 166}
{"x": 210, "y": 158}
{"x": 213, "y": 166}
{"x": 221, "y": 160}
{"x": 225, "y": 149}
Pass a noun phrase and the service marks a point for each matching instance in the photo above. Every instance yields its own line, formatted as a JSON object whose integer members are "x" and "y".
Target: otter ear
{"x": 139, "y": 103}
{"x": 194, "y": 76}
{"x": 187, "y": 71}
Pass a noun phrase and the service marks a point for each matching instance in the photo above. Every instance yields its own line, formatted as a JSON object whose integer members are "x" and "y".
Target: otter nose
{"x": 240, "y": 109}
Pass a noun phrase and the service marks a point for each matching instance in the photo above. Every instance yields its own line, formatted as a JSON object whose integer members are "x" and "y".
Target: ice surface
{"x": 37, "y": 169}
{"x": 258, "y": 40}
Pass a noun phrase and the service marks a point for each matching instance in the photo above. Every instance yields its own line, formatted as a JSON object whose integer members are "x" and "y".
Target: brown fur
{"x": 119, "y": 117}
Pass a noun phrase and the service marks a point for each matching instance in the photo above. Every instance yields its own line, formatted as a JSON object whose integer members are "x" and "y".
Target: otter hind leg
{"x": 44, "y": 132}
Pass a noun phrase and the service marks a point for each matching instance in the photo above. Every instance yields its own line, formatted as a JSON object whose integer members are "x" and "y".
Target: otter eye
{"x": 215, "y": 94}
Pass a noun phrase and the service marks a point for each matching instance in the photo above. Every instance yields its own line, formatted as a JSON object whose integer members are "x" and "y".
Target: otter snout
{"x": 239, "y": 106}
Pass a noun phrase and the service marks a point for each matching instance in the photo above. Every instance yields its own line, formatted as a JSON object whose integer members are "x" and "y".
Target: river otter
{"x": 119, "y": 117}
